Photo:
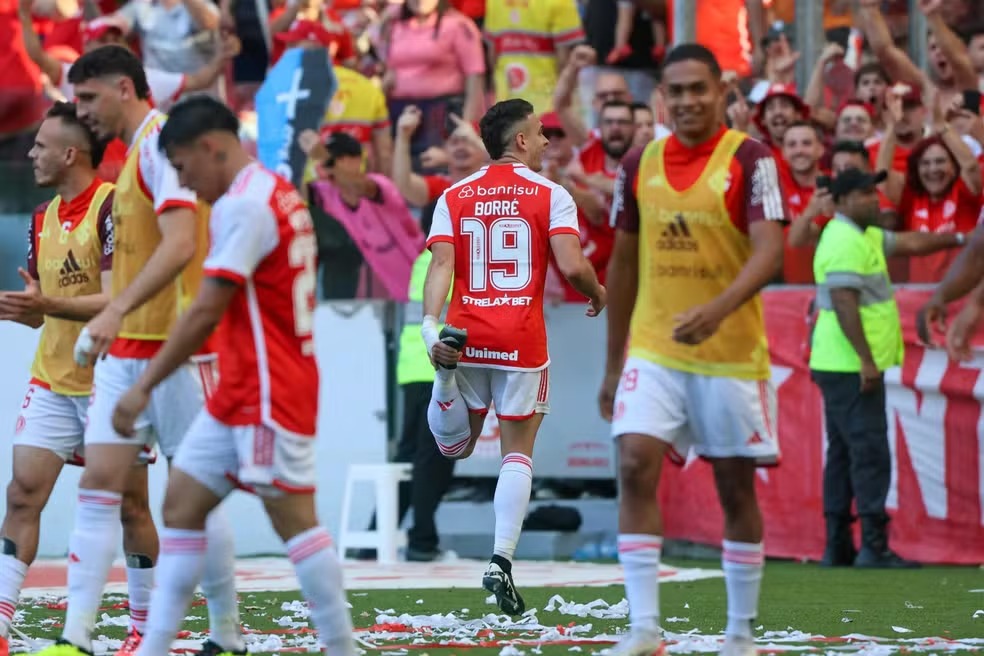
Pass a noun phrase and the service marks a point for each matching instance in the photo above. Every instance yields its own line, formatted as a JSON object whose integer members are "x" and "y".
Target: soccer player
{"x": 257, "y": 431}
{"x": 698, "y": 219}
{"x": 159, "y": 236}
{"x": 70, "y": 251}
{"x": 494, "y": 232}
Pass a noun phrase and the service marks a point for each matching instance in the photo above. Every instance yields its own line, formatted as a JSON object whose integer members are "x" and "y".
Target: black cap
{"x": 854, "y": 179}
{"x": 340, "y": 144}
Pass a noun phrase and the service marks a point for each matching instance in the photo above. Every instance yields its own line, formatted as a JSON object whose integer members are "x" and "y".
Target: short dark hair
{"x": 499, "y": 124}
{"x": 817, "y": 129}
{"x": 638, "y": 104}
{"x": 615, "y": 104}
{"x": 852, "y": 147}
{"x": 871, "y": 68}
{"x": 111, "y": 60}
{"x": 194, "y": 117}
{"x": 67, "y": 113}
{"x": 693, "y": 52}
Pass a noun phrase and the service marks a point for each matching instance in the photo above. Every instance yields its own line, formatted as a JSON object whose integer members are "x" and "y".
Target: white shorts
{"x": 51, "y": 421}
{"x": 173, "y": 404}
{"x": 719, "y": 417}
{"x": 258, "y": 459}
{"x": 517, "y": 395}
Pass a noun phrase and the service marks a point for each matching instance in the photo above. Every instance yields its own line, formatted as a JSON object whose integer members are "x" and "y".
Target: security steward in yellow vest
{"x": 858, "y": 335}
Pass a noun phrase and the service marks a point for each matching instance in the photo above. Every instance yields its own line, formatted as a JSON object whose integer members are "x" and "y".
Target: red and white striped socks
{"x": 511, "y": 500}
{"x": 320, "y": 574}
{"x": 179, "y": 569}
{"x": 12, "y": 573}
{"x": 91, "y": 549}
{"x": 139, "y": 584}
{"x": 742, "y": 563}
{"x": 447, "y": 415}
{"x": 640, "y": 556}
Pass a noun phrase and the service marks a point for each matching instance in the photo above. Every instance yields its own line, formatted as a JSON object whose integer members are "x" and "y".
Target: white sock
{"x": 12, "y": 573}
{"x": 512, "y": 498}
{"x": 91, "y": 548}
{"x": 639, "y": 555}
{"x": 742, "y": 563}
{"x": 447, "y": 414}
{"x": 219, "y": 583}
{"x": 139, "y": 583}
{"x": 320, "y": 575}
{"x": 178, "y": 571}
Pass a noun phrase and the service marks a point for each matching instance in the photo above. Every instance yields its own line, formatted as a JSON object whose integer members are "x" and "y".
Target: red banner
{"x": 935, "y": 427}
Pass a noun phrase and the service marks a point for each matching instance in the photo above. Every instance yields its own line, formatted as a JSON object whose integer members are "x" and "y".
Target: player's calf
{"x": 311, "y": 551}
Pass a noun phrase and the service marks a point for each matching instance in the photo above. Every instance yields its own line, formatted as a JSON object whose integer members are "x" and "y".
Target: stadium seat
{"x": 387, "y": 537}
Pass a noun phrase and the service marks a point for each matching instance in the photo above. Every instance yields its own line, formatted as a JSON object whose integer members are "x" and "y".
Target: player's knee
{"x": 638, "y": 474}
{"x": 135, "y": 512}
{"x": 24, "y": 501}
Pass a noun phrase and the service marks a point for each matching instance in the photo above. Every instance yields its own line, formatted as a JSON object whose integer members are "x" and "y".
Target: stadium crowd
{"x": 409, "y": 102}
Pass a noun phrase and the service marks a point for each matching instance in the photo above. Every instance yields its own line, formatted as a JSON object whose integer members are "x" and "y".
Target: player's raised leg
{"x": 35, "y": 471}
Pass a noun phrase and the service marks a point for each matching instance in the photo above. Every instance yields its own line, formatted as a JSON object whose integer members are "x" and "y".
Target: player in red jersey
{"x": 257, "y": 430}
{"x": 494, "y": 232}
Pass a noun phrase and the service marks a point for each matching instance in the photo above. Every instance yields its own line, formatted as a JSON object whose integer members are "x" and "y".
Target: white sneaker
{"x": 738, "y": 646}
{"x": 639, "y": 643}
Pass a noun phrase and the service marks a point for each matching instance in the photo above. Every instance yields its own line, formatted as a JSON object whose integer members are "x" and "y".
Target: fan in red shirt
{"x": 939, "y": 192}
{"x": 258, "y": 427}
{"x": 494, "y": 232}
{"x": 591, "y": 181}
{"x": 909, "y": 128}
{"x": 802, "y": 150}
{"x": 809, "y": 220}
{"x": 307, "y": 23}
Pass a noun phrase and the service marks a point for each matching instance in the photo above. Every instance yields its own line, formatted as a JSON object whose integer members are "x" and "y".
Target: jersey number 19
{"x": 501, "y": 254}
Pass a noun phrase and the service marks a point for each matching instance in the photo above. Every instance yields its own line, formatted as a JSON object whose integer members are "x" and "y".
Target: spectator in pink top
{"x": 435, "y": 61}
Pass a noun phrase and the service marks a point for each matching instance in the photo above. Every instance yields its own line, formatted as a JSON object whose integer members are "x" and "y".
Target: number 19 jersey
{"x": 500, "y": 221}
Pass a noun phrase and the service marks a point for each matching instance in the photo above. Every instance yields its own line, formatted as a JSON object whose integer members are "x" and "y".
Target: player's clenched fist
{"x": 597, "y": 304}
{"x": 128, "y": 409}
{"x": 98, "y": 335}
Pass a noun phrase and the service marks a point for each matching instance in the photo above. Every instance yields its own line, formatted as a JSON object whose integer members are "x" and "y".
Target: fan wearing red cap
{"x": 855, "y": 121}
{"x": 780, "y": 108}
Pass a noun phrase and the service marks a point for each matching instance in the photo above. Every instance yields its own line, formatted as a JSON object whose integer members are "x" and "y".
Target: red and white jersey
{"x": 500, "y": 221}
{"x": 262, "y": 239}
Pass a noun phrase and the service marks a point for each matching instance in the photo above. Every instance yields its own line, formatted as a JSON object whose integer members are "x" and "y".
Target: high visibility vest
{"x": 848, "y": 256}
{"x": 413, "y": 364}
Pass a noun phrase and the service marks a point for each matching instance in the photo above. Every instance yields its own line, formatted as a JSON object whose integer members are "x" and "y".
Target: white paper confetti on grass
{"x": 901, "y": 629}
{"x": 420, "y": 601}
{"x": 909, "y": 604}
{"x": 119, "y": 620}
{"x": 598, "y": 608}
{"x": 978, "y": 613}
{"x": 677, "y": 619}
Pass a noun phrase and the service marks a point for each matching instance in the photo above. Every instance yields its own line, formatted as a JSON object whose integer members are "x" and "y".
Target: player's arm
{"x": 623, "y": 271}
{"x": 18, "y": 310}
{"x": 761, "y": 268}
{"x": 190, "y": 332}
{"x": 440, "y": 271}
{"x": 565, "y": 242}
